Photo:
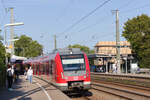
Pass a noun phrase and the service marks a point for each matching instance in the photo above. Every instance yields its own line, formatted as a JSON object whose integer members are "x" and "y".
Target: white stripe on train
{"x": 65, "y": 84}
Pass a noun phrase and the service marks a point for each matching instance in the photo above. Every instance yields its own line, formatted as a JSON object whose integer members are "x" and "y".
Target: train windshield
{"x": 73, "y": 62}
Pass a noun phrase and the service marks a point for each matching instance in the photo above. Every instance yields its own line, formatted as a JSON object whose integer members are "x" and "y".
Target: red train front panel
{"x": 72, "y": 71}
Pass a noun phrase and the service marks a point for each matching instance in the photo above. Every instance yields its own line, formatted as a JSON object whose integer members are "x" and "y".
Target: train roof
{"x": 44, "y": 58}
{"x": 66, "y": 51}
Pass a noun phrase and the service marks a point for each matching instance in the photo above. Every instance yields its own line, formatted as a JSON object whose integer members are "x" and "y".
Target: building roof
{"x": 112, "y": 43}
{"x": 109, "y": 48}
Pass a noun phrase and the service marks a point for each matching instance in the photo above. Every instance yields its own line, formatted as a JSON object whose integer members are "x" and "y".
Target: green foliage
{"x": 2, "y": 55}
{"x": 83, "y": 48}
{"x": 2, "y": 65}
{"x": 137, "y": 32}
{"x": 26, "y": 47}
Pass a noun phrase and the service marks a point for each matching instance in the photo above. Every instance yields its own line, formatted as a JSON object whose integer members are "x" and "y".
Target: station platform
{"x": 38, "y": 90}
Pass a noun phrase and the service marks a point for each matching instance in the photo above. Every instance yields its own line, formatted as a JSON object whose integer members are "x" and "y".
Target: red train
{"x": 68, "y": 69}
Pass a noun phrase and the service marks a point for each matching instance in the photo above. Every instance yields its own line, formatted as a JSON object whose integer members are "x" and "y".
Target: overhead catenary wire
{"x": 3, "y": 5}
{"x": 63, "y": 12}
{"x": 95, "y": 39}
{"x": 102, "y": 19}
{"x": 121, "y": 7}
{"x": 84, "y": 17}
{"x": 122, "y": 11}
{"x": 98, "y": 22}
{"x": 94, "y": 24}
{"x": 140, "y": 7}
{"x": 5, "y": 10}
{"x": 126, "y": 4}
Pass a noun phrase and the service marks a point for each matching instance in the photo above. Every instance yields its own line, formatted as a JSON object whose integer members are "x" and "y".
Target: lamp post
{"x": 14, "y": 24}
{"x": 5, "y": 37}
{"x": 126, "y": 64}
{"x": 7, "y": 25}
{"x": 126, "y": 58}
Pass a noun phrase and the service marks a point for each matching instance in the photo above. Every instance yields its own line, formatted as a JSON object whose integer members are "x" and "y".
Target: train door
{"x": 43, "y": 68}
{"x": 33, "y": 67}
{"x": 50, "y": 70}
{"x": 53, "y": 71}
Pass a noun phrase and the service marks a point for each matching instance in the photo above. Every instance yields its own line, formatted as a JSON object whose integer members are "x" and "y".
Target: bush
{"x": 2, "y": 76}
{"x": 2, "y": 66}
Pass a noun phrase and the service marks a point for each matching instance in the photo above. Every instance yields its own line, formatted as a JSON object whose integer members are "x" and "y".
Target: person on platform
{"x": 25, "y": 73}
{"x": 16, "y": 72}
{"x": 10, "y": 73}
{"x": 29, "y": 74}
{"x": 13, "y": 71}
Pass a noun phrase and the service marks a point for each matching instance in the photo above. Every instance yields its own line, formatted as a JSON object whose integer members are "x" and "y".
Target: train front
{"x": 75, "y": 72}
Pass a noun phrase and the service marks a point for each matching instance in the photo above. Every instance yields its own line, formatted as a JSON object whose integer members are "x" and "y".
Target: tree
{"x": 2, "y": 55}
{"x": 26, "y": 47}
{"x": 83, "y": 48}
{"x": 137, "y": 32}
{"x": 35, "y": 49}
{"x": 2, "y": 65}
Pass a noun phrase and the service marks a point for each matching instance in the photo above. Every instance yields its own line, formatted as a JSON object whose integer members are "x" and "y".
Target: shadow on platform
{"x": 20, "y": 91}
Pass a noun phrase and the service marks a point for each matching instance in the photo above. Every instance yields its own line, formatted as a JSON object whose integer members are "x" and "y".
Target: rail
{"x": 120, "y": 92}
{"x": 138, "y": 76}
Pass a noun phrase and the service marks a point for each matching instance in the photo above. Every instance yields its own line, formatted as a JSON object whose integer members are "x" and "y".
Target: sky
{"x": 45, "y": 18}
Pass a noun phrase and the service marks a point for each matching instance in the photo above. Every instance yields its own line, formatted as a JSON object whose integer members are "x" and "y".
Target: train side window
{"x": 47, "y": 69}
{"x": 43, "y": 69}
{"x": 38, "y": 69}
{"x": 50, "y": 67}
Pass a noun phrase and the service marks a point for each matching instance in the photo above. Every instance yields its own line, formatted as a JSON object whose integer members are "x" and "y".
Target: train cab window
{"x": 73, "y": 62}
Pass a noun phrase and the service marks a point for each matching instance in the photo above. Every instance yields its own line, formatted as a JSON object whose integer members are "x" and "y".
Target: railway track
{"x": 130, "y": 90}
{"x": 141, "y": 88}
{"x": 121, "y": 92}
{"x": 108, "y": 90}
{"x": 122, "y": 79}
{"x": 143, "y": 78}
{"x": 81, "y": 98}
{"x": 131, "y": 76}
{"x": 115, "y": 89}
{"x": 81, "y": 95}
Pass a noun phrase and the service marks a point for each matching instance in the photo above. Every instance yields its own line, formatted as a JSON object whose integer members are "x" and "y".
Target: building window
{"x": 97, "y": 49}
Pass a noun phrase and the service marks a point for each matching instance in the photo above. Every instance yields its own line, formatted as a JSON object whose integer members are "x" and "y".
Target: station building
{"x": 105, "y": 56}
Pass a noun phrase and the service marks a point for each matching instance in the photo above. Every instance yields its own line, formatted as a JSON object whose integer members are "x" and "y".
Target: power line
{"x": 126, "y": 4}
{"x": 3, "y": 5}
{"x": 97, "y": 38}
{"x": 84, "y": 17}
{"x": 102, "y": 19}
{"x": 94, "y": 24}
{"x": 63, "y": 12}
{"x": 5, "y": 10}
{"x": 129, "y": 10}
